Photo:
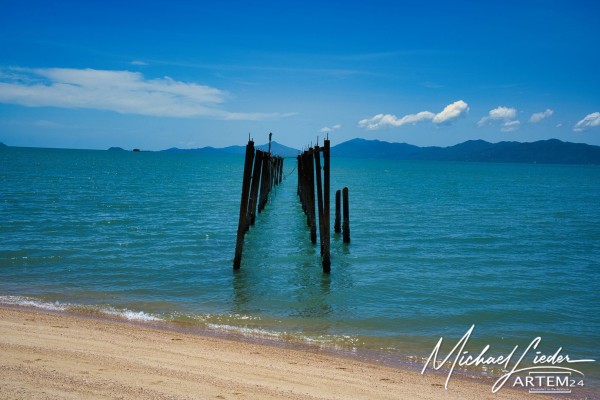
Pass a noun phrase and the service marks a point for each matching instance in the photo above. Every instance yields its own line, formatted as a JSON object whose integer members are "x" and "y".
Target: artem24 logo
{"x": 554, "y": 382}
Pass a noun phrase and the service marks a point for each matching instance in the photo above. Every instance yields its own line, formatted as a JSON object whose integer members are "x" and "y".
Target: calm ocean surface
{"x": 436, "y": 247}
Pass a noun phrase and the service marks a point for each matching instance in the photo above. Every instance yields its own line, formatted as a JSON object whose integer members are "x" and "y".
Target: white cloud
{"x": 327, "y": 129}
{"x": 124, "y": 92}
{"x": 499, "y": 113}
{"x": 590, "y": 121}
{"x": 139, "y": 63}
{"x": 504, "y": 114}
{"x": 510, "y": 126}
{"x": 447, "y": 115}
{"x": 451, "y": 112}
{"x": 383, "y": 120}
{"x": 537, "y": 117}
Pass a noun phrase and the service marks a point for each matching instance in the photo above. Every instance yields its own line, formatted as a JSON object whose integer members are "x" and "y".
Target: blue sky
{"x": 154, "y": 74}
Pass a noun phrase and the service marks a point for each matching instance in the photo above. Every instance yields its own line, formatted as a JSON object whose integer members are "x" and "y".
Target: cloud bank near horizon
{"x": 450, "y": 113}
{"x": 327, "y": 129}
{"x": 122, "y": 91}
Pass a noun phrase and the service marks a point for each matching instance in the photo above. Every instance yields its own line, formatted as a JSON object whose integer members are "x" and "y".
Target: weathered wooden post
{"x": 270, "y": 137}
{"x": 271, "y": 173}
{"x": 270, "y": 179}
{"x": 299, "y": 169}
{"x": 337, "y": 226}
{"x": 346, "y": 223}
{"x": 281, "y": 169}
{"x": 305, "y": 188}
{"x": 326, "y": 207}
{"x": 275, "y": 171}
{"x": 255, "y": 186}
{"x": 264, "y": 183}
{"x": 310, "y": 170}
{"x": 278, "y": 170}
{"x": 244, "y": 205}
{"x": 317, "y": 157}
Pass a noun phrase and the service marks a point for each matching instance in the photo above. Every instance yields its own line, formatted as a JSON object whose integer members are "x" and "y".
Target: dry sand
{"x": 52, "y": 356}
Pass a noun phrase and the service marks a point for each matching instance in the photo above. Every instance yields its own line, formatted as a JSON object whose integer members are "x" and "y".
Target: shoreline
{"x": 54, "y": 354}
{"x": 224, "y": 330}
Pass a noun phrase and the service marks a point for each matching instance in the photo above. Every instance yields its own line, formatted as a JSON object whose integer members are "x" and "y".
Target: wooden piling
{"x": 337, "y": 226}
{"x": 305, "y": 191}
{"x": 299, "y": 183}
{"x": 326, "y": 207}
{"x": 317, "y": 157}
{"x": 271, "y": 173}
{"x": 244, "y": 205}
{"x": 278, "y": 171}
{"x": 310, "y": 204}
{"x": 269, "y": 178}
{"x": 304, "y": 186}
{"x": 275, "y": 171}
{"x": 256, "y": 172}
{"x": 346, "y": 223}
{"x": 264, "y": 183}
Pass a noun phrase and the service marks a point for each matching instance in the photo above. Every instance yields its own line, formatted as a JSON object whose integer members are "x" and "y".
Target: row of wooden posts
{"x": 262, "y": 172}
{"x": 309, "y": 177}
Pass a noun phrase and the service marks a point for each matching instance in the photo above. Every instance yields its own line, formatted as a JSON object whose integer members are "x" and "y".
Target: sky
{"x": 160, "y": 74}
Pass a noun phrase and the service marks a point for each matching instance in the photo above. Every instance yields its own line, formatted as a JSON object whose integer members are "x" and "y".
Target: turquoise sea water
{"x": 436, "y": 247}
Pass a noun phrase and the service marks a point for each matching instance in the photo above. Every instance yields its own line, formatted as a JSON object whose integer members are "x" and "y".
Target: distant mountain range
{"x": 551, "y": 151}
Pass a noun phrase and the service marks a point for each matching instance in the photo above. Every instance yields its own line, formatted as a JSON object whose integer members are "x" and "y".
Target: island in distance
{"x": 276, "y": 148}
{"x": 552, "y": 151}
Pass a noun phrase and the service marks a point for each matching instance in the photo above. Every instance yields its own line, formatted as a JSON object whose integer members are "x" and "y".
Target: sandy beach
{"x": 54, "y": 356}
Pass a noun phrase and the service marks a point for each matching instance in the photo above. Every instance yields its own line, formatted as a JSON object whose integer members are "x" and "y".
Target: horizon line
{"x": 2, "y": 144}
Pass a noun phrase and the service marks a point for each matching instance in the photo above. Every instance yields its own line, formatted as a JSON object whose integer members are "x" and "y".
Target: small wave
{"x": 132, "y": 315}
{"x": 245, "y": 330}
{"x": 215, "y": 319}
{"x": 331, "y": 342}
{"x": 127, "y": 314}
{"x": 30, "y": 302}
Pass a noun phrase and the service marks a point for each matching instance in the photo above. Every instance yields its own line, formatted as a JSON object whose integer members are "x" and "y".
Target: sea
{"x": 437, "y": 248}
